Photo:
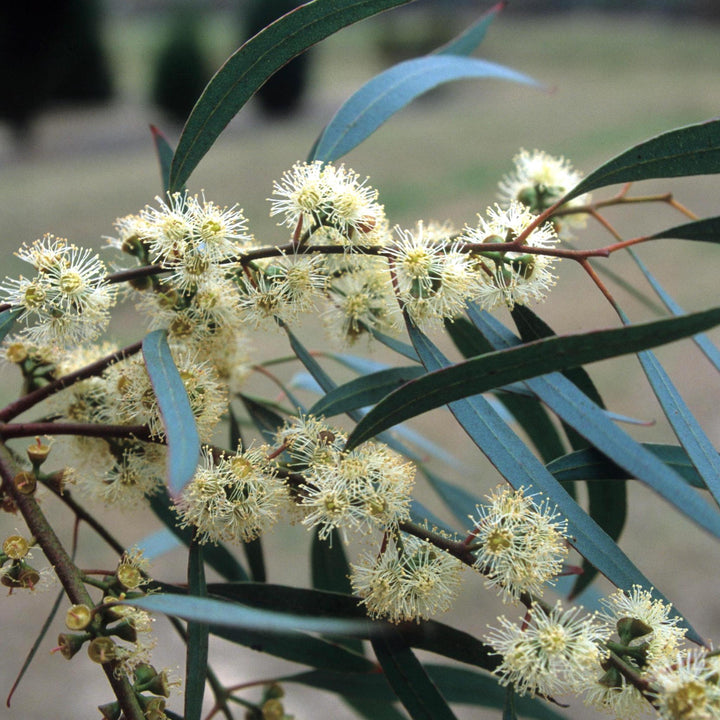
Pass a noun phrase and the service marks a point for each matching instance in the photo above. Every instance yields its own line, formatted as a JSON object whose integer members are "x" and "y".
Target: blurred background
{"x": 82, "y": 83}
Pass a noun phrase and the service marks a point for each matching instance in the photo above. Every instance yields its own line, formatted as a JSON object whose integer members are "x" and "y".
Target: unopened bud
{"x": 16, "y": 352}
{"x": 21, "y": 575}
{"x": 69, "y": 644}
{"x": 273, "y": 709}
{"x": 110, "y": 711}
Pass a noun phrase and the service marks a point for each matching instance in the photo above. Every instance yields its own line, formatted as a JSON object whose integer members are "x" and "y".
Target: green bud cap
{"x": 631, "y": 628}
{"x": 110, "y": 711}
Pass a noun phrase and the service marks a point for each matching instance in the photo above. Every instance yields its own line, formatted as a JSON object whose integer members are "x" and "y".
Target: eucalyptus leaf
{"x": 178, "y": 420}
{"x": 390, "y": 91}
{"x": 502, "y": 367}
{"x": 248, "y": 68}
{"x": 691, "y": 150}
{"x": 164, "y": 153}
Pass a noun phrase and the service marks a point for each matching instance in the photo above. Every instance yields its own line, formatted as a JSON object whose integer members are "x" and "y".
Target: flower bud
{"x": 110, "y": 711}
{"x": 273, "y": 710}
{"x": 20, "y": 575}
{"x": 69, "y": 644}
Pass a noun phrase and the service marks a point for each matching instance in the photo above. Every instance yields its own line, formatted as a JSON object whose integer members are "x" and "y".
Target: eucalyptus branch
{"x": 31, "y": 429}
{"x": 68, "y": 574}
{"x": 31, "y": 399}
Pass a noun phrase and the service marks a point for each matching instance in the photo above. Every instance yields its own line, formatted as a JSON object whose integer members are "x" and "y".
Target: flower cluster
{"x": 553, "y": 652}
{"x": 362, "y": 489}
{"x": 538, "y": 181}
{"x": 520, "y": 545}
{"x": 68, "y": 300}
{"x": 409, "y": 580}
{"x": 234, "y": 498}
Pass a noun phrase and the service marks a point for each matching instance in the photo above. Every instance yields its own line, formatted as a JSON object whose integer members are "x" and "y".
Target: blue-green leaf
{"x": 408, "y": 679}
{"x": 705, "y": 230}
{"x": 197, "y": 639}
{"x": 710, "y": 351}
{"x": 165, "y": 155}
{"x": 364, "y": 391}
{"x": 591, "y": 464}
{"x": 575, "y": 409}
{"x": 178, "y": 420}
{"x": 158, "y": 543}
{"x": 520, "y": 467}
{"x": 470, "y": 39}
{"x": 691, "y": 150}
{"x": 458, "y": 685}
{"x": 7, "y": 320}
{"x": 248, "y": 68}
{"x": 390, "y": 91}
{"x": 509, "y": 365}
{"x": 687, "y": 429}
{"x": 235, "y": 615}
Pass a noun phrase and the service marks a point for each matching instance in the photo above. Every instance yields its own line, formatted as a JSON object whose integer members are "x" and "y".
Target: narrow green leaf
{"x": 197, "y": 639}
{"x": 590, "y": 464}
{"x": 710, "y": 351}
{"x": 265, "y": 419}
{"x": 430, "y": 636}
{"x": 256, "y": 562}
{"x": 330, "y": 571}
{"x": 180, "y": 430}
{"x": 706, "y": 230}
{"x": 469, "y": 40}
{"x": 696, "y": 443}
{"x": 299, "y": 647}
{"x": 458, "y": 685}
{"x": 364, "y": 391}
{"x": 368, "y": 707}
{"x": 520, "y": 467}
{"x": 691, "y": 150}
{"x": 250, "y": 66}
{"x": 396, "y": 345}
{"x": 218, "y": 557}
{"x": 165, "y": 155}
{"x": 329, "y": 565}
{"x": 407, "y": 677}
{"x": 509, "y": 712}
{"x": 527, "y": 410}
{"x": 226, "y": 614}
{"x": 390, "y": 91}
{"x": 7, "y": 320}
{"x": 502, "y": 367}
{"x": 607, "y": 504}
